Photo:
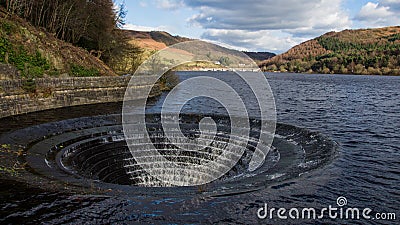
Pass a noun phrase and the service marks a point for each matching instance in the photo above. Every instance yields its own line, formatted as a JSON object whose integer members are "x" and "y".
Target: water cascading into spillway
{"x": 197, "y": 151}
{"x": 107, "y": 157}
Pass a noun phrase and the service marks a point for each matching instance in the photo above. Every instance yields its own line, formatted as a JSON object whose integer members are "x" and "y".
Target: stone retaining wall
{"x": 24, "y": 96}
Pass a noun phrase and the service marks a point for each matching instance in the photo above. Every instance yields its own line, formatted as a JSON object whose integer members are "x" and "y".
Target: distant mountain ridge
{"x": 157, "y": 40}
{"x": 364, "y": 51}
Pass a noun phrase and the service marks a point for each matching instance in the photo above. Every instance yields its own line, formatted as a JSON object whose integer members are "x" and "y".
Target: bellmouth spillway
{"x": 91, "y": 151}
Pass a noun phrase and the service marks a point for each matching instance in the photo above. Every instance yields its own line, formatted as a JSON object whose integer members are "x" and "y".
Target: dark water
{"x": 361, "y": 113}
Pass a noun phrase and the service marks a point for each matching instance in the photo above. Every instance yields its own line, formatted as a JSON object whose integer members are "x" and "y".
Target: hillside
{"x": 157, "y": 40}
{"x": 30, "y": 52}
{"x": 154, "y": 40}
{"x": 363, "y": 51}
{"x": 217, "y": 55}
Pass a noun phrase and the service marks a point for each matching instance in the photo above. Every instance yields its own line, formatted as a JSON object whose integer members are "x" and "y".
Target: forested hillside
{"x": 54, "y": 37}
{"x": 364, "y": 51}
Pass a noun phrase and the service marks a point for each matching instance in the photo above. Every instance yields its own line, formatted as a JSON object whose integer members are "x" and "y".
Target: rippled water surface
{"x": 361, "y": 113}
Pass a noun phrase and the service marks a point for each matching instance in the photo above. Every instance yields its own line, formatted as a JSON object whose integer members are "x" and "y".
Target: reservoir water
{"x": 360, "y": 113}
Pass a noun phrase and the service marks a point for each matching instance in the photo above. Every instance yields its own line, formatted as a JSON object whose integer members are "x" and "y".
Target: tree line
{"x": 370, "y": 55}
{"x": 91, "y": 24}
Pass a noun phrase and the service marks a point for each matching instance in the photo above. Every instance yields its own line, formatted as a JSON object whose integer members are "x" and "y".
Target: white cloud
{"x": 303, "y": 17}
{"x": 393, "y": 4}
{"x": 130, "y": 26}
{"x": 143, "y": 4}
{"x": 263, "y": 40}
{"x": 268, "y": 25}
{"x": 169, "y": 4}
{"x": 384, "y": 13}
{"x": 374, "y": 10}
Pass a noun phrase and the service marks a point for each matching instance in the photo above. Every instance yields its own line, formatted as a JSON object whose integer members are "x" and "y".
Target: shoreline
{"x": 269, "y": 72}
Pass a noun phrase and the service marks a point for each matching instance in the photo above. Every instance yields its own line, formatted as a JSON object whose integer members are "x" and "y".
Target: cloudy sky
{"x": 259, "y": 25}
